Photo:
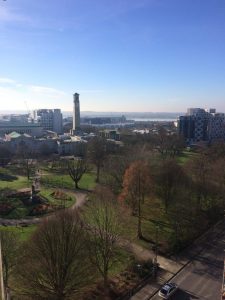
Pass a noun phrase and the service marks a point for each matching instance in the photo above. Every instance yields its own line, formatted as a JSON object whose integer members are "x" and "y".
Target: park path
{"x": 81, "y": 198}
{"x": 80, "y": 201}
{"x": 142, "y": 254}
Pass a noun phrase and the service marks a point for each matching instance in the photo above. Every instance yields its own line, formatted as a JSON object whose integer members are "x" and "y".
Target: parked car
{"x": 167, "y": 290}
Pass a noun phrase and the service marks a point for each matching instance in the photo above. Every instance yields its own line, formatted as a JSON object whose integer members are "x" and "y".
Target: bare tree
{"x": 114, "y": 169}
{"x": 200, "y": 171}
{"x": 170, "y": 178}
{"x": 10, "y": 250}
{"x": 96, "y": 153}
{"x": 53, "y": 262}
{"x": 76, "y": 169}
{"x": 103, "y": 218}
{"x": 168, "y": 144}
{"x": 27, "y": 158}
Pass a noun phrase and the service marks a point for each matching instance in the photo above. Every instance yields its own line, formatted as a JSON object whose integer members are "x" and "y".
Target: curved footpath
{"x": 80, "y": 201}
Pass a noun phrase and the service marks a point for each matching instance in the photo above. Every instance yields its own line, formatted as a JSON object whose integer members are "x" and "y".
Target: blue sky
{"x": 120, "y": 55}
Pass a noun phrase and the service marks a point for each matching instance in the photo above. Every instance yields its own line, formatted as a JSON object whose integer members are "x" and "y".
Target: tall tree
{"x": 53, "y": 262}
{"x": 200, "y": 171}
{"x": 114, "y": 168}
{"x": 170, "y": 177}
{"x": 97, "y": 153}
{"x": 103, "y": 217}
{"x": 27, "y": 158}
{"x": 168, "y": 144}
{"x": 5, "y": 155}
{"x": 10, "y": 252}
{"x": 137, "y": 184}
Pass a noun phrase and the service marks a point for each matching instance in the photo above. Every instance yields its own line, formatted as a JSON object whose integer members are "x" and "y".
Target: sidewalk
{"x": 170, "y": 267}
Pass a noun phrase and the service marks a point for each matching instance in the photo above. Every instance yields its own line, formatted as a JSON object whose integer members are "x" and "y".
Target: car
{"x": 167, "y": 290}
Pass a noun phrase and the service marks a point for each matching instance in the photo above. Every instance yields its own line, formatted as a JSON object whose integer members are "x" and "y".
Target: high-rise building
{"x": 49, "y": 119}
{"x": 76, "y": 114}
{"x": 202, "y": 125}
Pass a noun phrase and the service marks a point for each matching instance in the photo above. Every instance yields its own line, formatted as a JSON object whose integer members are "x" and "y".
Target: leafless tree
{"x": 76, "y": 169}
{"x": 27, "y": 157}
{"x": 170, "y": 179}
{"x": 103, "y": 218}
{"x": 55, "y": 264}
{"x": 114, "y": 169}
{"x": 168, "y": 144}
{"x": 97, "y": 153}
{"x": 10, "y": 251}
{"x": 199, "y": 169}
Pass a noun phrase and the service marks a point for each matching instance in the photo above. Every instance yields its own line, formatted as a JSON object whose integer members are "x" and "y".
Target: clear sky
{"x": 120, "y": 55}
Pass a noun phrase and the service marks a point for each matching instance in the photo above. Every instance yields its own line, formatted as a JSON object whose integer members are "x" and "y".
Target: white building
{"x": 33, "y": 129}
{"x": 49, "y": 119}
{"x": 72, "y": 146}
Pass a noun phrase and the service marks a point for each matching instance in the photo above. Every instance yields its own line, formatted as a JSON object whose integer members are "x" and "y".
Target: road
{"x": 202, "y": 278}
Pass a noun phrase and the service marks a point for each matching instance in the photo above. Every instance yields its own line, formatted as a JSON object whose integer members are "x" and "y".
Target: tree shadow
{"x": 7, "y": 177}
{"x": 184, "y": 295}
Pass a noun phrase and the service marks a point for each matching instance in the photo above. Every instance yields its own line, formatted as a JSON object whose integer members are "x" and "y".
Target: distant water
{"x": 154, "y": 119}
{"x": 138, "y": 117}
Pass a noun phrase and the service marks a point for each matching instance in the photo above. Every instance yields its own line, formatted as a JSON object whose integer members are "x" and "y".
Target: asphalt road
{"x": 202, "y": 278}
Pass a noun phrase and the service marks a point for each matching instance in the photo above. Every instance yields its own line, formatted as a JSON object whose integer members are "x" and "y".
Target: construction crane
{"x": 28, "y": 110}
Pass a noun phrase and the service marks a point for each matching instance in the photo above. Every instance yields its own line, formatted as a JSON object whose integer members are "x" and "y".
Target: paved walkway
{"x": 143, "y": 254}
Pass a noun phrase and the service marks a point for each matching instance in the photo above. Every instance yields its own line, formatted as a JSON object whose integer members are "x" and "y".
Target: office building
{"x": 202, "y": 125}
{"x": 49, "y": 119}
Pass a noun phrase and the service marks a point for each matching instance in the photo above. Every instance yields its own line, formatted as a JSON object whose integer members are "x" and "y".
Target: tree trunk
{"x": 98, "y": 173}
{"x": 139, "y": 231}
{"x": 105, "y": 283}
{"x": 76, "y": 185}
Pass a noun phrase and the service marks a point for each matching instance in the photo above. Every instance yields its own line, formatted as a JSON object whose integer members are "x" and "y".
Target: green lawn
{"x": 152, "y": 210}
{"x": 64, "y": 181}
{"x": 48, "y": 194}
{"x": 23, "y": 232}
{"x": 19, "y": 183}
{"x": 185, "y": 156}
{"x": 122, "y": 260}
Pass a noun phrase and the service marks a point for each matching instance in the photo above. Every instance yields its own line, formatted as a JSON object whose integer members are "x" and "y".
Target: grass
{"x": 23, "y": 232}
{"x": 47, "y": 193}
{"x": 64, "y": 181}
{"x": 152, "y": 211}
{"x": 19, "y": 183}
{"x": 185, "y": 156}
{"x": 123, "y": 260}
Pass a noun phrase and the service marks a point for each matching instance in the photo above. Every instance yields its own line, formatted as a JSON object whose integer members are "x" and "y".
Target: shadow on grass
{"x": 7, "y": 177}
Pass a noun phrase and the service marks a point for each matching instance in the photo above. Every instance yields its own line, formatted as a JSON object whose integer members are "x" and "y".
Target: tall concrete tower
{"x": 76, "y": 113}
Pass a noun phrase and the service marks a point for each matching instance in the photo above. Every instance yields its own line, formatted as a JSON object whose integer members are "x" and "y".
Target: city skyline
{"x": 120, "y": 56}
